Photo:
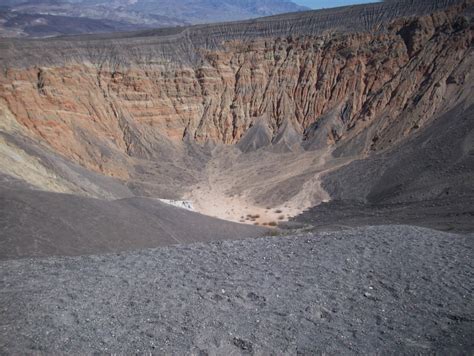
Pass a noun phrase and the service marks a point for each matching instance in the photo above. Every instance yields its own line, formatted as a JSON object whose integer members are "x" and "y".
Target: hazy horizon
{"x": 318, "y": 4}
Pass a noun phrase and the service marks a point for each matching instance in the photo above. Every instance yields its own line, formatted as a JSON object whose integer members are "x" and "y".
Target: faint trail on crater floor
{"x": 274, "y": 186}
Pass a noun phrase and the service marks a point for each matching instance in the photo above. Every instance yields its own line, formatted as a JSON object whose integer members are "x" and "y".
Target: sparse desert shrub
{"x": 281, "y": 217}
{"x": 278, "y": 211}
{"x": 256, "y": 223}
{"x": 272, "y": 223}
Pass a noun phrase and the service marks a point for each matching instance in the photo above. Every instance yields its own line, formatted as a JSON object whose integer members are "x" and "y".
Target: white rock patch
{"x": 184, "y": 204}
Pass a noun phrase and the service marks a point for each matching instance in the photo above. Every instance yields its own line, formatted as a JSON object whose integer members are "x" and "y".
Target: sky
{"x": 318, "y": 4}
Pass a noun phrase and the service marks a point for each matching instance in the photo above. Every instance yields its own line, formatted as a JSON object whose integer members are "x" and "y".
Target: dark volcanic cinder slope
{"x": 427, "y": 180}
{"x": 37, "y": 224}
{"x": 381, "y": 290}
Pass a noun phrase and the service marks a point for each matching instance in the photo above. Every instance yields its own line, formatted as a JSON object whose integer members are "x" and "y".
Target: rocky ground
{"x": 386, "y": 289}
{"x": 426, "y": 181}
{"x": 365, "y": 112}
{"x": 37, "y": 224}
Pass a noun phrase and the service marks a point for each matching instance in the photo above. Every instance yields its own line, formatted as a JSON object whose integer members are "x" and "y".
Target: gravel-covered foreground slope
{"x": 37, "y": 224}
{"x": 387, "y": 289}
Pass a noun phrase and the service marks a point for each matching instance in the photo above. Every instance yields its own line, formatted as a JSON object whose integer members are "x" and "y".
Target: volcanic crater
{"x": 315, "y": 126}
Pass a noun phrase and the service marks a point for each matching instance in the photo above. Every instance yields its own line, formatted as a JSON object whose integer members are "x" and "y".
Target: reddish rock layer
{"x": 330, "y": 88}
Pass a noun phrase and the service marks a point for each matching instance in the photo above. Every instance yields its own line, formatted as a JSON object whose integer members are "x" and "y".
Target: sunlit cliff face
{"x": 341, "y": 95}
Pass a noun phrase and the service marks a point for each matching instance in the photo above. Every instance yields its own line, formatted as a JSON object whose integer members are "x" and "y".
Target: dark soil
{"x": 373, "y": 290}
{"x": 427, "y": 181}
{"x": 35, "y": 223}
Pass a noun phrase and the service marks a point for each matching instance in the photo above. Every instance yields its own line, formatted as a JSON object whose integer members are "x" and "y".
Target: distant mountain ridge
{"x": 44, "y": 18}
